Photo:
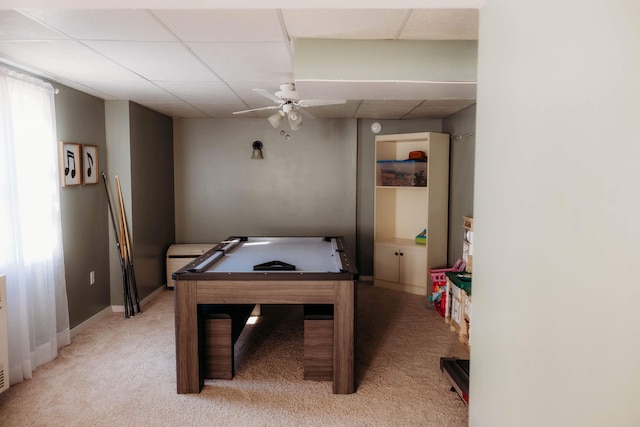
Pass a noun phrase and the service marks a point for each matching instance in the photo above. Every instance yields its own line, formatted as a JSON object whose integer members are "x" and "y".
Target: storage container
{"x": 441, "y": 304}
{"x": 438, "y": 275}
{"x": 403, "y": 173}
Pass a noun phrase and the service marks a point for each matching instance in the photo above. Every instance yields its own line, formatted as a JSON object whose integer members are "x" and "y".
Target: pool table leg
{"x": 188, "y": 375}
{"x": 344, "y": 338}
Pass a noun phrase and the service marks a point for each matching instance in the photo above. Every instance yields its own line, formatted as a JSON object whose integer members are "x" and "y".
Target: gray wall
{"x": 279, "y": 195}
{"x": 140, "y": 143}
{"x": 366, "y": 176}
{"x": 304, "y": 186}
{"x": 152, "y": 212}
{"x": 119, "y": 164}
{"x": 80, "y": 118}
{"x": 461, "y": 170}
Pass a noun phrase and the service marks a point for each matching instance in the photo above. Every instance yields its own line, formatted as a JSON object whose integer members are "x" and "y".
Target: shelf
{"x": 403, "y": 211}
{"x": 403, "y": 187}
{"x": 396, "y": 241}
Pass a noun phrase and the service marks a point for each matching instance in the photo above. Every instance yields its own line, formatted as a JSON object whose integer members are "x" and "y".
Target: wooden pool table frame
{"x": 337, "y": 288}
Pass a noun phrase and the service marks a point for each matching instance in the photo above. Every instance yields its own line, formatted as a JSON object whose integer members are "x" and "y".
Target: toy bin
{"x": 439, "y": 290}
{"x": 441, "y": 304}
{"x": 439, "y": 285}
{"x": 403, "y": 173}
{"x": 439, "y": 297}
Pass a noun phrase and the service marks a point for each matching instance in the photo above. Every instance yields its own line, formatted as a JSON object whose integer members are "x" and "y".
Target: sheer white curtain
{"x": 30, "y": 226}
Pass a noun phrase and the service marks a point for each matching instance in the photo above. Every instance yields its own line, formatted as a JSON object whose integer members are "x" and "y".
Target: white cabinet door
{"x": 400, "y": 264}
{"x": 413, "y": 267}
{"x": 386, "y": 263}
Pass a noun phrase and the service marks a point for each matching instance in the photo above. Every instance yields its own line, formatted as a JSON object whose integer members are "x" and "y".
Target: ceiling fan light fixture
{"x": 287, "y": 102}
{"x": 295, "y": 119}
{"x": 276, "y": 119}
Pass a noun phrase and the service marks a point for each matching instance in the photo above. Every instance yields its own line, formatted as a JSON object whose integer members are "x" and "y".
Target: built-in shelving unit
{"x": 402, "y": 212}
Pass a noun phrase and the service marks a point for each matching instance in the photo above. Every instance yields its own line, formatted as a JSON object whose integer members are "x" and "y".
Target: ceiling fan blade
{"x": 273, "y": 107}
{"x": 319, "y": 102}
{"x": 268, "y": 94}
{"x": 305, "y": 113}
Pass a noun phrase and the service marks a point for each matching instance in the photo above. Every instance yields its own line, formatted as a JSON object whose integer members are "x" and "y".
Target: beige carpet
{"x": 122, "y": 373}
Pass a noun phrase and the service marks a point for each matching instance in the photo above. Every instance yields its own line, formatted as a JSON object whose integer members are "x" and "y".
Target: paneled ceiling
{"x": 205, "y": 62}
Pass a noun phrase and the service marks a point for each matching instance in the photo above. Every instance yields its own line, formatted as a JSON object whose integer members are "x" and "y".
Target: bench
{"x": 318, "y": 342}
{"x": 222, "y": 324}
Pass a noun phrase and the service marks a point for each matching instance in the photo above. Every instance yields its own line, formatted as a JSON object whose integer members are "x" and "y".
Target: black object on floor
{"x": 457, "y": 373}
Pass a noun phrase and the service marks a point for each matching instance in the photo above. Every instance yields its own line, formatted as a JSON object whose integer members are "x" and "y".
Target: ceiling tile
{"x": 220, "y": 111}
{"x": 246, "y": 61}
{"x": 175, "y": 109}
{"x": 65, "y": 58}
{"x": 387, "y": 109}
{"x": 134, "y": 25}
{"x": 141, "y": 91}
{"x": 155, "y": 60}
{"x": 441, "y": 24}
{"x": 202, "y": 92}
{"x": 438, "y": 109}
{"x": 223, "y": 25}
{"x": 344, "y": 23}
{"x": 16, "y": 26}
{"x": 335, "y": 111}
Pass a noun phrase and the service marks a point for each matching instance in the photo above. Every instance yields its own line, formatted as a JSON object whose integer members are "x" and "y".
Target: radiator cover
{"x": 4, "y": 337}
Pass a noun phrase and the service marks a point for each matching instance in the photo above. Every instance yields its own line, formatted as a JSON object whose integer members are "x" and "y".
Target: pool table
{"x": 268, "y": 270}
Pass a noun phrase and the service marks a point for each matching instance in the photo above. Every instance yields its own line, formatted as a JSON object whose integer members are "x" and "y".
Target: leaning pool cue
{"x": 123, "y": 242}
{"x": 133, "y": 284}
{"x": 123, "y": 250}
{"x": 117, "y": 238}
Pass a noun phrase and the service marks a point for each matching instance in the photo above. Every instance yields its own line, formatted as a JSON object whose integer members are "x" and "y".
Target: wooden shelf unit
{"x": 400, "y": 213}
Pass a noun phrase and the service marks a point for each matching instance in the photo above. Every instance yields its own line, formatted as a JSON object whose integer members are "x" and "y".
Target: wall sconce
{"x": 257, "y": 150}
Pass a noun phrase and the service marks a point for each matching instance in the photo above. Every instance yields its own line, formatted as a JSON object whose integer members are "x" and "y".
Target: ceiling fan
{"x": 289, "y": 105}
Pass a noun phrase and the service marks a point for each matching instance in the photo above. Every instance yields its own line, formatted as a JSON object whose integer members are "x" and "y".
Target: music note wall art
{"x": 70, "y": 164}
{"x": 90, "y": 164}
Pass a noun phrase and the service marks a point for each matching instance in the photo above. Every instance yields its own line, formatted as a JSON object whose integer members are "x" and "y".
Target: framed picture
{"x": 90, "y": 164}
{"x": 70, "y": 164}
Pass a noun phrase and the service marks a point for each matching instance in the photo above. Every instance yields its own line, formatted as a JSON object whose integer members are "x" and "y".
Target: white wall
{"x": 555, "y": 338}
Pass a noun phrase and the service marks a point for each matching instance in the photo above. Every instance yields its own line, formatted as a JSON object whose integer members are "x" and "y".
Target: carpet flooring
{"x": 121, "y": 372}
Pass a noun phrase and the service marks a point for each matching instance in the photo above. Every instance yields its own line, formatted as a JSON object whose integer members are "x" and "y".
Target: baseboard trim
{"x": 150, "y": 297}
{"x": 90, "y": 321}
{"x": 416, "y": 290}
{"x": 110, "y": 310}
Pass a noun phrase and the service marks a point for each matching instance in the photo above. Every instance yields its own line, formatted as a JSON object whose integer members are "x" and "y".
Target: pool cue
{"x": 123, "y": 249}
{"x": 117, "y": 238}
{"x": 127, "y": 240}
